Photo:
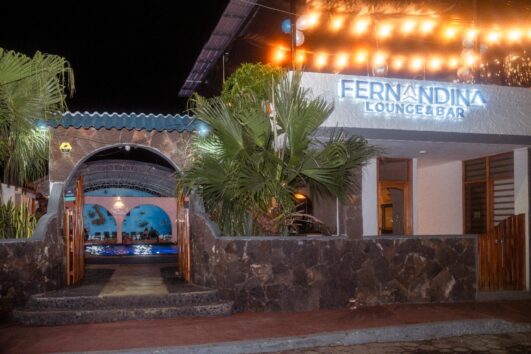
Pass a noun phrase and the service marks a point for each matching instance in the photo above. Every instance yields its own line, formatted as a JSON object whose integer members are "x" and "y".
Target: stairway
{"x": 89, "y": 303}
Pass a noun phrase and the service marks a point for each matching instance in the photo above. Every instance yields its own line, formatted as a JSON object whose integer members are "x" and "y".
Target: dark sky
{"x": 127, "y": 56}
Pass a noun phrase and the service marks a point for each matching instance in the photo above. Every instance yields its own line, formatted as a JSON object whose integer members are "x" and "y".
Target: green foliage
{"x": 254, "y": 79}
{"x": 31, "y": 89}
{"x": 260, "y": 151}
{"x": 16, "y": 222}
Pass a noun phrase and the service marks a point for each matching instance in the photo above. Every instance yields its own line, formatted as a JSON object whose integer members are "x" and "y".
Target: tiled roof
{"x": 127, "y": 121}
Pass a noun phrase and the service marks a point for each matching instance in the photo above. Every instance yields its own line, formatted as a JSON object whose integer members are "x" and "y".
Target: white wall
{"x": 369, "y": 199}
{"x": 439, "y": 199}
{"x": 521, "y": 194}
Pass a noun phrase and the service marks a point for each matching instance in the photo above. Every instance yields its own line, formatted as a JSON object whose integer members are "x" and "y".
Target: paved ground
{"x": 493, "y": 343}
{"x": 246, "y": 327}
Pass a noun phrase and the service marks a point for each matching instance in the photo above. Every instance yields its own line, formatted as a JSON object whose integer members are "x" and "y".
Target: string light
{"x": 361, "y": 25}
{"x": 279, "y": 55}
{"x": 379, "y": 58}
{"x": 416, "y": 64}
{"x": 398, "y": 63}
{"x": 427, "y": 26}
{"x": 435, "y": 64}
{"x": 321, "y": 60}
{"x": 384, "y": 30}
{"x": 337, "y": 23}
{"x": 361, "y": 56}
{"x": 514, "y": 35}
{"x": 341, "y": 61}
{"x": 408, "y": 26}
{"x": 493, "y": 37}
{"x": 453, "y": 63}
{"x": 450, "y": 33}
{"x": 300, "y": 57}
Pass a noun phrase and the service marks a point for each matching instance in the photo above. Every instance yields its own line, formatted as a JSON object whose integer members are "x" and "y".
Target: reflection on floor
{"x": 134, "y": 279}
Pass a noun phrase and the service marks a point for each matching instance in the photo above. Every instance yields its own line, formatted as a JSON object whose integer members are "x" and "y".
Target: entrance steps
{"x": 121, "y": 293}
{"x": 42, "y": 310}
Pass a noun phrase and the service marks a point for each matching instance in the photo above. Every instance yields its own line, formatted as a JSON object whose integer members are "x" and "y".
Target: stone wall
{"x": 36, "y": 264}
{"x": 85, "y": 142}
{"x": 308, "y": 273}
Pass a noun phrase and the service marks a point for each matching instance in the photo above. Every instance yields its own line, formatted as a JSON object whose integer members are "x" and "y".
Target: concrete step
{"x": 44, "y": 301}
{"x": 50, "y": 316}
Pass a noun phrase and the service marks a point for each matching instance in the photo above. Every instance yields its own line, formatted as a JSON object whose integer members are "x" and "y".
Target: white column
{"x": 369, "y": 199}
{"x": 521, "y": 198}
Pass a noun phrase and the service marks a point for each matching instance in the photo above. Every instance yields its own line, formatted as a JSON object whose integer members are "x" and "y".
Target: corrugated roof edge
{"x": 129, "y": 121}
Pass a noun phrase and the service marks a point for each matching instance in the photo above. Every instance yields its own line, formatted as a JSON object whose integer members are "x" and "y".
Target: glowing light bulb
{"x": 300, "y": 57}
{"x": 408, "y": 26}
{"x": 385, "y": 30}
{"x": 427, "y": 26}
{"x": 361, "y": 25}
{"x": 514, "y": 35}
{"x": 313, "y": 19}
{"x": 279, "y": 55}
{"x": 320, "y": 60}
{"x": 493, "y": 36}
{"x": 470, "y": 59}
{"x": 398, "y": 63}
{"x": 337, "y": 23}
{"x": 416, "y": 64}
{"x": 435, "y": 64}
{"x": 341, "y": 61}
{"x": 453, "y": 62}
{"x": 450, "y": 32}
{"x": 361, "y": 56}
{"x": 379, "y": 58}
{"x": 471, "y": 34}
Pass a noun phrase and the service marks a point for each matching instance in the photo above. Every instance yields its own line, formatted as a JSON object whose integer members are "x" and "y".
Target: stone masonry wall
{"x": 308, "y": 273}
{"x": 34, "y": 265}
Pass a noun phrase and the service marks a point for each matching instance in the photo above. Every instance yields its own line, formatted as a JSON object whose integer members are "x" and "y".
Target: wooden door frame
{"x": 406, "y": 186}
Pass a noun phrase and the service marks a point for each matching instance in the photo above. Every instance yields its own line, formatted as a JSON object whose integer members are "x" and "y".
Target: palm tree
{"x": 31, "y": 89}
{"x": 260, "y": 151}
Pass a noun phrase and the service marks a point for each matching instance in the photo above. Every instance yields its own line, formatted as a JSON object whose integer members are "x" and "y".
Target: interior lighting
{"x": 337, "y": 23}
{"x": 408, "y": 26}
{"x": 398, "y": 63}
{"x": 299, "y": 196}
{"x": 471, "y": 34}
{"x": 493, "y": 36}
{"x": 471, "y": 59}
{"x": 320, "y": 60}
{"x": 361, "y": 25}
{"x": 385, "y": 30}
{"x": 435, "y": 64}
{"x": 416, "y": 64}
{"x": 341, "y": 61}
{"x": 514, "y": 35}
{"x": 300, "y": 57}
{"x": 427, "y": 26}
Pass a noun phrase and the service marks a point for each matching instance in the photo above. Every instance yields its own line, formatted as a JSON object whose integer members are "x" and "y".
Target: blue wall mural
{"x": 98, "y": 222}
{"x": 147, "y": 221}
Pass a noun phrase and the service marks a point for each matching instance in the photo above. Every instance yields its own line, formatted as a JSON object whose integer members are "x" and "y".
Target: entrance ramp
{"x": 112, "y": 293}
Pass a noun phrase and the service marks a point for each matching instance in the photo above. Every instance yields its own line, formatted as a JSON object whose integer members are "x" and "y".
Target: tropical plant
{"x": 260, "y": 151}
{"x": 16, "y": 221}
{"x": 31, "y": 89}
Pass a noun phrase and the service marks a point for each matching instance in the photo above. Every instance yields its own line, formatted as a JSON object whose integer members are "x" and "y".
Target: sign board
{"x": 416, "y": 100}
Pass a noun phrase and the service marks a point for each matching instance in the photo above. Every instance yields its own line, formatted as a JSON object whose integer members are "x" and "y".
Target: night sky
{"x": 127, "y": 56}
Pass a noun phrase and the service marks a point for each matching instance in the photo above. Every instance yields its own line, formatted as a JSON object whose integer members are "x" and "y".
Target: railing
{"x": 183, "y": 237}
{"x": 502, "y": 255}
{"x": 75, "y": 243}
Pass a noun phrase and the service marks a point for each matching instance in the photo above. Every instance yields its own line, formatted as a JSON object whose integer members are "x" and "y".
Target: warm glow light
{"x": 379, "y": 58}
{"x": 450, "y": 32}
{"x": 408, "y": 26}
{"x": 384, "y": 30}
{"x": 299, "y": 196}
{"x": 427, "y": 26}
{"x": 529, "y": 34}
{"x": 313, "y": 19}
{"x": 300, "y": 57}
{"x": 361, "y": 56}
{"x": 417, "y": 64}
{"x": 435, "y": 64}
{"x": 493, "y": 36}
{"x": 453, "y": 62}
{"x": 321, "y": 60}
{"x": 471, "y": 59}
{"x": 471, "y": 34}
{"x": 337, "y": 23}
{"x": 514, "y": 35}
{"x": 279, "y": 55}
{"x": 398, "y": 63}
{"x": 341, "y": 61}
{"x": 361, "y": 25}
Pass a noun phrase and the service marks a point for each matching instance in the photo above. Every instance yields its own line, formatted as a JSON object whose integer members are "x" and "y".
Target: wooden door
{"x": 502, "y": 255}
{"x": 183, "y": 237}
{"x": 394, "y": 209}
{"x": 75, "y": 238}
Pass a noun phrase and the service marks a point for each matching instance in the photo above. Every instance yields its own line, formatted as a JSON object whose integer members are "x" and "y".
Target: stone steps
{"x": 50, "y": 317}
{"x": 45, "y": 310}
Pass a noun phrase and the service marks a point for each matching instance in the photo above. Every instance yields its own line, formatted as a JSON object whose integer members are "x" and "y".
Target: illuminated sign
{"x": 414, "y": 100}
